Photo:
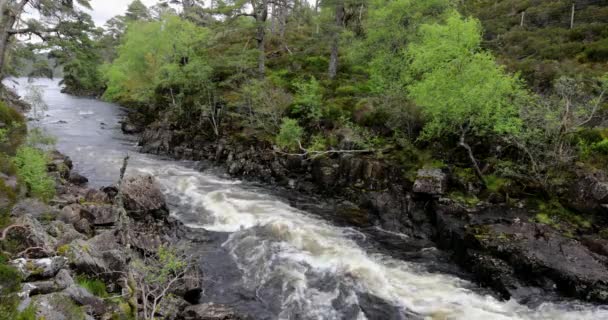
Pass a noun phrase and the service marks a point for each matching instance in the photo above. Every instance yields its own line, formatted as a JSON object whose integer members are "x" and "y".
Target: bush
{"x": 290, "y": 135}
{"x": 31, "y": 166}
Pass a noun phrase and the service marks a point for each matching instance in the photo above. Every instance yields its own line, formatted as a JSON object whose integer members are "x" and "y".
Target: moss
{"x": 468, "y": 200}
{"x": 63, "y": 250}
{"x": 544, "y": 219}
{"x": 66, "y": 306}
{"x": 551, "y": 212}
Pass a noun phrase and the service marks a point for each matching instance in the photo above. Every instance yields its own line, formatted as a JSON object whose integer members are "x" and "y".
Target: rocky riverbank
{"x": 80, "y": 237}
{"x": 499, "y": 241}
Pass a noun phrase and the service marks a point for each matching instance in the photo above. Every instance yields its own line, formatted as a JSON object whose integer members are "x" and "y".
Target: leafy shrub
{"x": 290, "y": 135}
{"x": 31, "y": 166}
{"x": 308, "y": 101}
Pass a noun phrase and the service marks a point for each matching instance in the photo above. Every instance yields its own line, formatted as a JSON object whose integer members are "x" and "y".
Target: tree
{"x": 335, "y": 38}
{"x": 166, "y": 54}
{"x": 79, "y": 55}
{"x": 461, "y": 89}
{"x": 52, "y": 14}
{"x": 258, "y": 10}
{"x": 157, "y": 275}
{"x": 137, "y": 11}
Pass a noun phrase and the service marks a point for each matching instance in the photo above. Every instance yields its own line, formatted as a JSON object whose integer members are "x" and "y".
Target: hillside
{"x": 546, "y": 39}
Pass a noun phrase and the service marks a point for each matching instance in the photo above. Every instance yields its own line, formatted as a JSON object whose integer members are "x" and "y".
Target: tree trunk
{"x": 474, "y": 163}
{"x": 8, "y": 18}
{"x": 333, "y": 61}
{"x": 261, "y": 15}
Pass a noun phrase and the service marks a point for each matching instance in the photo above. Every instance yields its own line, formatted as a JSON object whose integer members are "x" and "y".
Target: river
{"x": 266, "y": 257}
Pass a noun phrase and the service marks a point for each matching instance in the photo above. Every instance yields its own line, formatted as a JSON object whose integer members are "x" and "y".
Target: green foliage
{"x": 468, "y": 200}
{"x": 552, "y": 212}
{"x": 95, "y": 286}
{"x": 545, "y": 48}
{"x": 391, "y": 25}
{"x": 308, "y": 101}
{"x": 166, "y": 54}
{"x": 31, "y": 167}
{"x": 496, "y": 184}
{"x": 462, "y": 89}
{"x": 290, "y": 135}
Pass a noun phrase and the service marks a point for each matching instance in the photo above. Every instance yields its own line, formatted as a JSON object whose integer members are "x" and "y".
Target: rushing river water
{"x": 266, "y": 257}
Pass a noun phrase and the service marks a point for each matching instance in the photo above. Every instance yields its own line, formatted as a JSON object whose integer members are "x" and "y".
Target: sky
{"x": 103, "y": 10}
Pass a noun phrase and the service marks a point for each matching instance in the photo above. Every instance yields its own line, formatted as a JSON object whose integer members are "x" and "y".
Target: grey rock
{"x": 34, "y": 208}
{"x": 70, "y": 214}
{"x": 208, "y": 311}
{"x": 85, "y": 258}
{"x": 83, "y": 226}
{"x": 77, "y": 179}
{"x": 56, "y": 306}
{"x": 39, "y": 268}
{"x": 37, "y": 234}
{"x": 64, "y": 233}
{"x": 83, "y": 297}
{"x": 96, "y": 196}
{"x": 143, "y": 197}
{"x": 431, "y": 182}
{"x": 103, "y": 215}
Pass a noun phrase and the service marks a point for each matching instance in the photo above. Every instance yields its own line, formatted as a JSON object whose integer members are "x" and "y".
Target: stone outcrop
{"x": 431, "y": 181}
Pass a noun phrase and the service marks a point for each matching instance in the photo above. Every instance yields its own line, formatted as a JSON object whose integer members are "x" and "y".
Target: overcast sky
{"x": 103, "y": 10}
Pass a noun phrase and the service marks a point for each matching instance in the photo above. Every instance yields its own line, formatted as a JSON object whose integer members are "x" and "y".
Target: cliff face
{"x": 499, "y": 244}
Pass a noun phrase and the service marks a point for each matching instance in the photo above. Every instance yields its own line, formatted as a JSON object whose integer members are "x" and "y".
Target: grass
{"x": 94, "y": 286}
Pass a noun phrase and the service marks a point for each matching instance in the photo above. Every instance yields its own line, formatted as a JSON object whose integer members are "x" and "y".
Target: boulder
{"x": 96, "y": 196}
{"x": 83, "y": 297}
{"x": 85, "y": 258}
{"x": 544, "y": 257}
{"x": 589, "y": 192}
{"x": 64, "y": 233}
{"x": 325, "y": 172}
{"x": 57, "y": 306}
{"x": 97, "y": 255}
{"x": 77, "y": 179}
{"x": 39, "y": 268}
{"x": 34, "y": 208}
{"x": 83, "y": 226}
{"x": 208, "y": 311}
{"x": 62, "y": 280}
{"x": 36, "y": 233}
{"x": 129, "y": 128}
{"x": 143, "y": 197}
{"x": 103, "y": 215}
{"x": 70, "y": 214}
{"x": 431, "y": 181}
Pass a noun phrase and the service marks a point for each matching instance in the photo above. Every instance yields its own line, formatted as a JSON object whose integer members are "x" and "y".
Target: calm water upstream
{"x": 266, "y": 257}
